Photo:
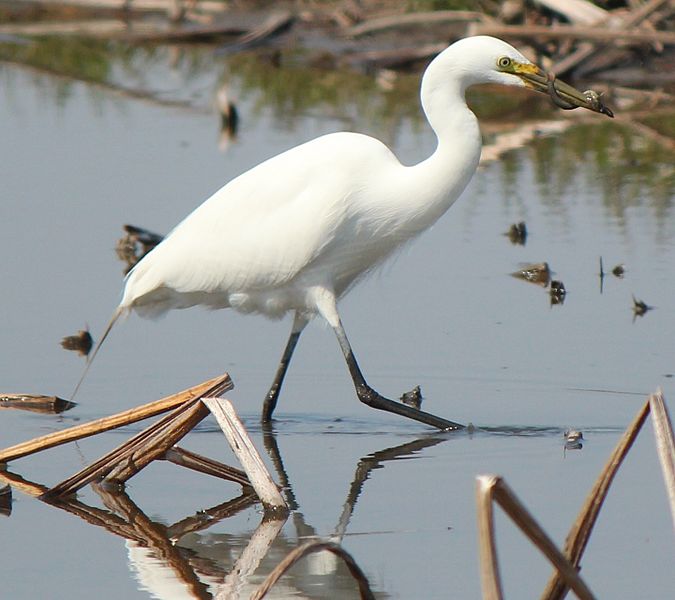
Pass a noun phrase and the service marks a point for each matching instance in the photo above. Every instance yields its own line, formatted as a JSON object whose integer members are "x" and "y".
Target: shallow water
{"x": 76, "y": 162}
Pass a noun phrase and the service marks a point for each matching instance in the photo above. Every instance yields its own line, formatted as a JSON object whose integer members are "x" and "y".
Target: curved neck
{"x": 449, "y": 169}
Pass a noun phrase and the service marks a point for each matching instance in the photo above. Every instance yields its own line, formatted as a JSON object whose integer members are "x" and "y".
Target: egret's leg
{"x": 328, "y": 308}
{"x": 270, "y": 403}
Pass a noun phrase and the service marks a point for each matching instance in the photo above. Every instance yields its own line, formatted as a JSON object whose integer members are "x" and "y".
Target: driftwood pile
{"x": 629, "y": 44}
{"x": 627, "y": 53}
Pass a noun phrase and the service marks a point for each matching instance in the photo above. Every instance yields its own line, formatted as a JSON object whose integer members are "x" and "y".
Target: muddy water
{"x": 77, "y": 162}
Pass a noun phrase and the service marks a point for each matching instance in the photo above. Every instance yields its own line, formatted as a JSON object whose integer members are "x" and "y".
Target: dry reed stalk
{"x": 491, "y": 581}
{"x": 665, "y": 444}
{"x": 157, "y": 445}
{"x": 216, "y": 386}
{"x": 309, "y": 548}
{"x": 208, "y": 466}
{"x": 492, "y": 488}
{"x": 118, "y": 458}
{"x": 580, "y": 533}
{"x": 248, "y": 456}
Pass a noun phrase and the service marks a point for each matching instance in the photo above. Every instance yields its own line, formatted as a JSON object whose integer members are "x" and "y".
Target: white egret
{"x": 296, "y": 232}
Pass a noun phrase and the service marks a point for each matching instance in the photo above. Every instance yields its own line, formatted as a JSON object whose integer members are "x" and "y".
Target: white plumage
{"x": 295, "y": 232}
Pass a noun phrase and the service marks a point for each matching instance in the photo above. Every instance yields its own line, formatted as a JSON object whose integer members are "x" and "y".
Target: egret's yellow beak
{"x": 563, "y": 95}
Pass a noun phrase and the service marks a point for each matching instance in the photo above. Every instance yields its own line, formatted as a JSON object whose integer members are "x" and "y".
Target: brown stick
{"x": 109, "y": 461}
{"x": 248, "y": 456}
{"x": 496, "y": 489}
{"x": 159, "y": 443}
{"x": 35, "y": 403}
{"x": 216, "y": 386}
{"x": 491, "y": 580}
{"x": 208, "y": 466}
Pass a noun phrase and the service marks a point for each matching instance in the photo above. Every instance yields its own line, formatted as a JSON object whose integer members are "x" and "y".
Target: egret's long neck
{"x": 449, "y": 169}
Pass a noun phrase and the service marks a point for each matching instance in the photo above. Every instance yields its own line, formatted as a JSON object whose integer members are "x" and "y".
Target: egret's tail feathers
{"x": 116, "y": 315}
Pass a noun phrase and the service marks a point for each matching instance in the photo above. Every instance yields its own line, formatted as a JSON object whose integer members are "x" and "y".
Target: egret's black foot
{"x": 270, "y": 403}
{"x": 371, "y": 398}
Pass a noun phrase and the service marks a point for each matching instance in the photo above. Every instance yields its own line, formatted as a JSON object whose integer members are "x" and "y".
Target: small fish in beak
{"x": 563, "y": 95}
{"x": 593, "y": 101}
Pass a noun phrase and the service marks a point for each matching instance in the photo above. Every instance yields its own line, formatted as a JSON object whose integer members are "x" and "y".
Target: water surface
{"x": 78, "y": 161}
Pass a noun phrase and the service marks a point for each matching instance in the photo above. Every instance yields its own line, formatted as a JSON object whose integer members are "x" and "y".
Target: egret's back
{"x": 256, "y": 243}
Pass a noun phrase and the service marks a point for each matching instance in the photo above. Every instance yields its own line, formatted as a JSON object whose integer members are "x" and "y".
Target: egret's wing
{"x": 262, "y": 228}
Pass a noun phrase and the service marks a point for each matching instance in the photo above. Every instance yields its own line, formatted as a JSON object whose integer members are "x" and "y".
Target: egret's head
{"x": 484, "y": 59}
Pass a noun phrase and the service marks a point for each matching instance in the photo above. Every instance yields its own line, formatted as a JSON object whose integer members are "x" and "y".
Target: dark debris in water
{"x": 36, "y": 403}
{"x": 135, "y": 244}
{"x": 517, "y": 233}
{"x": 619, "y": 271}
{"x": 413, "y": 397}
{"x": 538, "y": 273}
{"x": 81, "y": 342}
{"x": 640, "y": 308}
{"x": 557, "y": 292}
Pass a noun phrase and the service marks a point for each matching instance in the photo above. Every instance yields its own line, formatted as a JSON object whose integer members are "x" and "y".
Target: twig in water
{"x": 248, "y": 456}
{"x": 492, "y": 488}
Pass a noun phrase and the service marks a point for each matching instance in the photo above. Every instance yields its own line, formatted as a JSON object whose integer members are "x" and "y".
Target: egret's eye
{"x": 504, "y": 62}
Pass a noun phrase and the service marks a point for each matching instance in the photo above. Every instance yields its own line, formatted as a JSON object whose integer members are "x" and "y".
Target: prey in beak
{"x": 563, "y": 95}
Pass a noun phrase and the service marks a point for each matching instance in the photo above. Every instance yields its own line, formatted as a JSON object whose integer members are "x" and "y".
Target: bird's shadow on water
{"x": 189, "y": 557}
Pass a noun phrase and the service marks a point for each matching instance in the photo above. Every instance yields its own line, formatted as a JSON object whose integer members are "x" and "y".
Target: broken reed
{"x": 491, "y": 489}
{"x": 217, "y": 385}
